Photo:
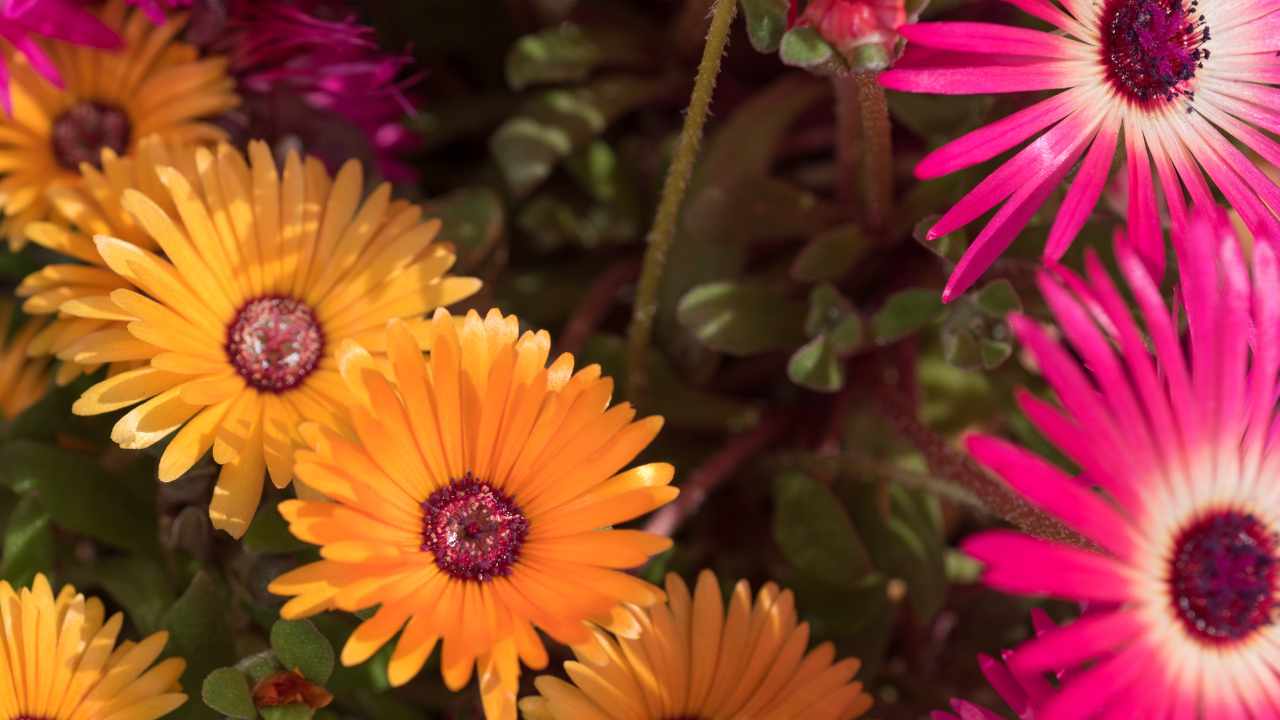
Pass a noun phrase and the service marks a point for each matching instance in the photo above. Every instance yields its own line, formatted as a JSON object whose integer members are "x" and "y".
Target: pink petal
{"x": 1144, "y": 219}
{"x": 980, "y": 37}
{"x": 1083, "y": 195}
{"x": 1025, "y": 565}
{"x": 1095, "y": 688}
{"x": 1266, "y": 357}
{"x": 69, "y": 21}
{"x": 978, "y": 80}
{"x": 1004, "y": 683}
{"x": 991, "y": 140}
{"x": 1046, "y": 11}
{"x": 1071, "y": 645}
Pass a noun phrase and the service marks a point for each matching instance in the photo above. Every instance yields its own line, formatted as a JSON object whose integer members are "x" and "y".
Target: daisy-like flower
{"x": 265, "y": 274}
{"x": 1022, "y": 692}
{"x": 1177, "y": 493}
{"x": 23, "y": 380}
{"x": 65, "y": 20}
{"x": 473, "y": 503}
{"x": 59, "y": 661}
{"x": 94, "y": 206}
{"x": 692, "y": 660}
{"x": 1179, "y": 81}
{"x": 109, "y": 100}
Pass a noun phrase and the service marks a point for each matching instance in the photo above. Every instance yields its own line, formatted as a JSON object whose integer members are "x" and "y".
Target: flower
{"x": 23, "y": 381}
{"x": 688, "y": 659}
{"x": 109, "y": 682}
{"x": 265, "y": 275}
{"x": 64, "y": 20}
{"x": 155, "y": 8}
{"x": 1023, "y": 693}
{"x": 111, "y": 100}
{"x": 334, "y": 65}
{"x": 474, "y": 502}
{"x": 1176, "y": 495}
{"x": 851, "y": 24}
{"x": 1179, "y": 79}
{"x": 94, "y": 206}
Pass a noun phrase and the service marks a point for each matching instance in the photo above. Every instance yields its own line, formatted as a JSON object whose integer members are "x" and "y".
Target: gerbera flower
{"x": 1181, "y": 450}
{"x": 1022, "y": 692}
{"x": 473, "y": 503}
{"x": 94, "y": 206}
{"x": 691, "y": 660}
{"x": 265, "y": 275}
{"x": 151, "y": 85}
{"x": 1178, "y": 80}
{"x": 65, "y": 20}
{"x": 23, "y": 380}
{"x": 59, "y": 661}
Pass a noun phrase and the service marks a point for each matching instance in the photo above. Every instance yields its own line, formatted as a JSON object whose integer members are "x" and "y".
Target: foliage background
{"x": 814, "y": 386}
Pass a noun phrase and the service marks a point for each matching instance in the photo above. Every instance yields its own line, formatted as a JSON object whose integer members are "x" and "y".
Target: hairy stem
{"x": 663, "y": 233}
{"x": 848, "y": 137}
{"x": 878, "y": 158}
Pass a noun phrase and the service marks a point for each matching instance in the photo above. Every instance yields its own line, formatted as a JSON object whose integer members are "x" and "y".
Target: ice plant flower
{"x": 110, "y": 100}
{"x": 94, "y": 206}
{"x": 850, "y": 25}
{"x": 1181, "y": 81}
{"x": 265, "y": 274}
{"x": 65, "y": 20}
{"x": 689, "y": 659}
{"x": 60, "y": 661}
{"x": 23, "y": 380}
{"x": 1177, "y": 491}
{"x": 1022, "y": 692}
{"x": 473, "y": 503}
{"x": 155, "y": 9}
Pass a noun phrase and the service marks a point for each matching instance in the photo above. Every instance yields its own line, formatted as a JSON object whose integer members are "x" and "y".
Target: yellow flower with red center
{"x": 110, "y": 100}
{"x": 59, "y": 660}
{"x": 692, "y": 660}
{"x": 473, "y": 503}
{"x": 23, "y": 380}
{"x": 265, "y": 273}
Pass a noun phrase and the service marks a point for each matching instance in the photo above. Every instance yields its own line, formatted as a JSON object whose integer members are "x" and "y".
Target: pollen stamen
{"x": 1152, "y": 48}
{"x": 80, "y": 134}
{"x": 1222, "y": 576}
{"x": 474, "y": 531}
{"x": 274, "y": 343}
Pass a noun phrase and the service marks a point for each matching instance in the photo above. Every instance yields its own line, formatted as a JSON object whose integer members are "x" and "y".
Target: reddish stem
{"x": 596, "y": 303}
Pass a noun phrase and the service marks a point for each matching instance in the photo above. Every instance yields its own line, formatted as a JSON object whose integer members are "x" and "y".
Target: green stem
{"x": 877, "y": 133}
{"x": 663, "y": 233}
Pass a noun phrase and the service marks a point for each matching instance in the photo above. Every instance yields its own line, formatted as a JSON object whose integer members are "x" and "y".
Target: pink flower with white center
{"x": 22, "y": 21}
{"x": 1175, "y": 81}
{"x": 1179, "y": 452}
{"x": 1023, "y": 693}
{"x": 155, "y": 9}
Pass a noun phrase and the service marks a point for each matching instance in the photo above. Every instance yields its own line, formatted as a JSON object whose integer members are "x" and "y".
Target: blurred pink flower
{"x": 155, "y": 8}
{"x": 847, "y": 24}
{"x": 64, "y": 20}
{"x": 1022, "y": 692}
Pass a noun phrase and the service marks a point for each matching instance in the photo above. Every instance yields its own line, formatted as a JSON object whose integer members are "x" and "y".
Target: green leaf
{"x": 75, "y": 493}
{"x": 561, "y": 54}
{"x": 906, "y": 313}
{"x": 746, "y": 318}
{"x": 998, "y": 298}
{"x": 994, "y": 353}
{"x": 803, "y": 47}
{"x": 830, "y": 254}
{"x": 269, "y": 534}
{"x": 814, "y": 532}
{"x": 259, "y": 665}
{"x": 296, "y": 711}
{"x": 906, "y": 542}
{"x": 766, "y": 21}
{"x": 473, "y": 221}
{"x": 300, "y": 646}
{"x": 226, "y": 690}
{"x": 198, "y": 631}
{"x": 827, "y": 308}
{"x": 961, "y": 347}
{"x": 815, "y": 366}
{"x": 139, "y": 584}
{"x": 28, "y": 542}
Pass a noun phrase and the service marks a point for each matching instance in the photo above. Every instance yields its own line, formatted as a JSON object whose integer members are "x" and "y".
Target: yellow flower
{"x": 691, "y": 660}
{"x": 94, "y": 206}
{"x": 110, "y": 99}
{"x": 265, "y": 274}
{"x": 473, "y": 503}
{"x": 59, "y": 661}
{"x": 23, "y": 380}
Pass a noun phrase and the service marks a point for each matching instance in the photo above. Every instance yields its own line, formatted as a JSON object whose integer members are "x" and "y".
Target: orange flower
{"x": 473, "y": 503}
{"x": 23, "y": 380}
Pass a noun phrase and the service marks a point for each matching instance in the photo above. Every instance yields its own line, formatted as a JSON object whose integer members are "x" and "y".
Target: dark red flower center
{"x": 275, "y": 343}
{"x": 1223, "y": 576}
{"x": 80, "y": 134}
{"x": 473, "y": 529}
{"x": 1152, "y": 48}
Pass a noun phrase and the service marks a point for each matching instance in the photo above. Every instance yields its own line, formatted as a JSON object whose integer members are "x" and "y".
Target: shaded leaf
{"x": 815, "y": 366}
{"x": 296, "y": 711}
{"x": 473, "y": 220}
{"x": 560, "y": 54}
{"x": 766, "y": 22}
{"x": 28, "y": 542}
{"x": 269, "y": 533}
{"x": 830, "y": 254}
{"x": 814, "y": 532}
{"x": 998, "y": 298}
{"x": 906, "y": 313}
{"x": 745, "y": 318}
{"x": 300, "y": 646}
{"x": 803, "y": 47}
{"x": 139, "y": 584}
{"x": 198, "y": 631}
{"x": 226, "y": 690}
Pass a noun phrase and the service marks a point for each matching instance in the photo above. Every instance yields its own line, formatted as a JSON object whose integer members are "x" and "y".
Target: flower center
{"x": 275, "y": 343}
{"x": 80, "y": 134}
{"x": 474, "y": 531}
{"x": 1223, "y": 576}
{"x": 1152, "y": 48}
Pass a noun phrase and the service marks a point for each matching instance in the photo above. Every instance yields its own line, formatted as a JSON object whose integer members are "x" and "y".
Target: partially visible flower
{"x": 155, "y": 8}
{"x": 473, "y": 500}
{"x": 853, "y": 26}
{"x": 334, "y": 64}
{"x": 689, "y": 659}
{"x": 61, "y": 660}
{"x": 289, "y": 687}
{"x": 111, "y": 100}
{"x": 1023, "y": 692}
{"x": 23, "y": 379}
{"x": 65, "y": 20}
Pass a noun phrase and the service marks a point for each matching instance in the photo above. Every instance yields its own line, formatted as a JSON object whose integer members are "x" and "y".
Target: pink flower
{"x": 847, "y": 24}
{"x": 1022, "y": 692}
{"x": 155, "y": 8}
{"x": 1179, "y": 459}
{"x": 64, "y": 20}
{"x": 1178, "y": 80}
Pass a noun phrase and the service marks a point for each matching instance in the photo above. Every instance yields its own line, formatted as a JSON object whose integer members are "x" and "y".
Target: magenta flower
{"x": 1177, "y": 80}
{"x": 154, "y": 9}
{"x": 1178, "y": 491}
{"x": 334, "y": 65}
{"x": 65, "y": 20}
{"x": 1022, "y": 692}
